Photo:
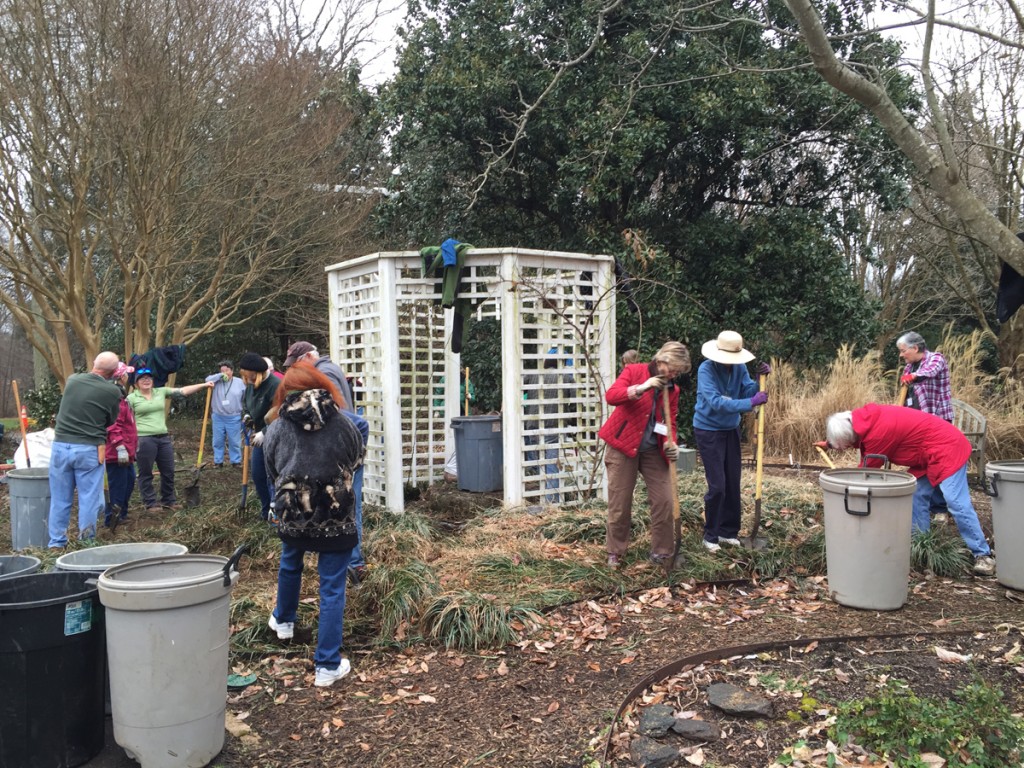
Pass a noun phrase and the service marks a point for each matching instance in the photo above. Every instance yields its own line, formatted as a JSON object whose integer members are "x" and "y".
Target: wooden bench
{"x": 968, "y": 420}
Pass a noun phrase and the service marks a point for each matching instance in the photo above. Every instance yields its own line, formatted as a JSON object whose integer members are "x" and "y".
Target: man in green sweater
{"x": 89, "y": 405}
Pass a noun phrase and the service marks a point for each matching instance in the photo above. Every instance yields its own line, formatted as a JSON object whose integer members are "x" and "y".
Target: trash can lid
{"x": 881, "y": 482}
{"x": 1012, "y": 471}
{"x": 158, "y": 583}
{"x": 39, "y": 589}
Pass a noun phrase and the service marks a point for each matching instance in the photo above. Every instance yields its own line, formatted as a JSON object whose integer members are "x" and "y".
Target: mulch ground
{"x": 550, "y": 701}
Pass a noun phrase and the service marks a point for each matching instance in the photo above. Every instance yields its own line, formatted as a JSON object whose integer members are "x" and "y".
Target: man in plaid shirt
{"x": 927, "y": 378}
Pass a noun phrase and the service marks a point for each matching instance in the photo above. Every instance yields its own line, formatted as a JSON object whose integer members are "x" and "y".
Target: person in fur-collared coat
{"x": 312, "y": 452}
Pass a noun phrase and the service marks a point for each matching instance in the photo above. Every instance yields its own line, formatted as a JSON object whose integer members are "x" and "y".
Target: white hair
{"x": 839, "y": 430}
{"x": 912, "y": 339}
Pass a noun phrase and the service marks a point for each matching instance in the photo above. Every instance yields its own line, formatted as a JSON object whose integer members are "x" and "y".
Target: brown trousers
{"x": 622, "y": 473}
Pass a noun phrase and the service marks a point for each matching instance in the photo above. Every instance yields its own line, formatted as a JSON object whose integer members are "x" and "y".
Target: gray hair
{"x": 675, "y": 354}
{"x": 912, "y": 339}
{"x": 839, "y": 430}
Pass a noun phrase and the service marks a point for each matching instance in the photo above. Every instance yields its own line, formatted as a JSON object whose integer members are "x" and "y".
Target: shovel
{"x": 22, "y": 419}
{"x": 245, "y": 472}
{"x": 753, "y": 541}
{"x": 901, "y": 398}
{"x": 672, "y": 563}
{"x": 192, "y": 490}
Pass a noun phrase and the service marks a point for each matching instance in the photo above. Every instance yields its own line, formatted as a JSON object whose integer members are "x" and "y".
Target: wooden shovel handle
{"x": 206, "y": 420}
{"x": 762, "y": 381}
{"x": 901, "y": 398}
{"x": 21, "y": 422}
{"x": 667, "y": 408}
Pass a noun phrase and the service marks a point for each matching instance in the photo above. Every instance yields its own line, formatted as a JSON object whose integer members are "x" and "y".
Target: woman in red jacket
{"x": 932, "y": 450}
{"x": 639, "y": 442}
{"x": 122, "y": 443}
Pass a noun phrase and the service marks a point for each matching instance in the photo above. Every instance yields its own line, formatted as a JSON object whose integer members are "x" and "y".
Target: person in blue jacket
{"x": 725, "y": 391}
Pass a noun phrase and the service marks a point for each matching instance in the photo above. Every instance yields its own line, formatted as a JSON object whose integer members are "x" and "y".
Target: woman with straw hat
{"x": 725, "y": 391}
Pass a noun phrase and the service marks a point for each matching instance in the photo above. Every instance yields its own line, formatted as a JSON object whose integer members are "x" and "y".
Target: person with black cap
{"x": 260, "y": 387}
{"x": 226, "y": 407}
{"x": 725, "y": 391}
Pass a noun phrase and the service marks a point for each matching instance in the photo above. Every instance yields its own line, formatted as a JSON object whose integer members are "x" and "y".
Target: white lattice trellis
{"x": 557, "y": 318}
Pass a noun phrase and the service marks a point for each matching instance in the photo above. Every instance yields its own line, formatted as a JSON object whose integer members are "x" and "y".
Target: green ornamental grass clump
{"x": 973, "y": 728}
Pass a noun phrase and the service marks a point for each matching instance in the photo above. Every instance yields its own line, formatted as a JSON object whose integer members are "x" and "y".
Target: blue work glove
{"x": 763, "y": 369}
{"x": 759, "y": 398}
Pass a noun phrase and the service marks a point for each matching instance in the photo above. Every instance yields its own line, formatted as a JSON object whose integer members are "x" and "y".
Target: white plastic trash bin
{"x": 30, "y": 507}
{"x": 167, "y": 649}
{"x": 867, "y": 536}
{"x": 98, "y": 559}
{"x": 1005, "y": 484}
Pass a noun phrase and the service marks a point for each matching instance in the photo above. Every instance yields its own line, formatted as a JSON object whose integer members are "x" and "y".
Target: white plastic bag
{"x": 40, "y": 445}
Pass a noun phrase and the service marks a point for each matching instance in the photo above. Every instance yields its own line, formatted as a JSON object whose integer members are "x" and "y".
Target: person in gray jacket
{"x": 226, "y": 405}
{"x": 304, "y": 351}
{"x": 312, "y": 453}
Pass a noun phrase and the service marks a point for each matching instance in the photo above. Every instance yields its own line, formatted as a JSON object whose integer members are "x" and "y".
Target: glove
{"x": 907, "y": 378}
{"x": 655, "y": 382}
{"x": 122, "y": 455}
{"x": 823, "y": 444}
{"x": 671, "y": 451}
{"x": 247, "y": 421}
{"x": 763, "y": 369}
{"x": 257, "y": 439}
{"x": 759, "y": 398}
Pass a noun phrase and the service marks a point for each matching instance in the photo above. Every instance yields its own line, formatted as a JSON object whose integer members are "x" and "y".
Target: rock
{"x": 656, "y": 720}
{"x": 648, "y": 753}
{"x": 736, "y": 701}
{"x": 697, "y": 730}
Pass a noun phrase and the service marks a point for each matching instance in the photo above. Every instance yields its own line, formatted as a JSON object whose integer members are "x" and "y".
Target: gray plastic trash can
{"x": 1005, "y": 484}
{"x": 867, "y": 536}
{"x": 167, "y": 641}
{"x": 30, "y": 507}
{"x": 686, "y": 461}
{"x": 98, "y": 559}
{"x": 478, "y": 451}
{"x": 18, "y": 565}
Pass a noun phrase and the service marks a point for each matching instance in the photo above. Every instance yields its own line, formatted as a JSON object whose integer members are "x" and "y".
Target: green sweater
{"x": 89, "y": 405}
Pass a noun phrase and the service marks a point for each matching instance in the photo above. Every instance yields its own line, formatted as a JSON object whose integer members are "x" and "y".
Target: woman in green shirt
{"x": 149, "y": 404}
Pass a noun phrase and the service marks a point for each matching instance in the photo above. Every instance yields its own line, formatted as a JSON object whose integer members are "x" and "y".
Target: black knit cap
{"x": 250, "y": 361}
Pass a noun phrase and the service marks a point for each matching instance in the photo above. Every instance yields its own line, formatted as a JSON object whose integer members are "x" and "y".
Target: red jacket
{"x": 625, "y": 427}
{"x": 921, "y": 442}
{"x": 122, "y": 432}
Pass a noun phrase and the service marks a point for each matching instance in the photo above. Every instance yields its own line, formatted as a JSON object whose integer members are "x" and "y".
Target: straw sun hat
{"x": 727, "y": 348}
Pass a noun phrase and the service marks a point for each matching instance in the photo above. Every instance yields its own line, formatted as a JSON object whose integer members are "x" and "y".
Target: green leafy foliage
{"x": 974, "y": 728}
{"x": 42, "y": 404}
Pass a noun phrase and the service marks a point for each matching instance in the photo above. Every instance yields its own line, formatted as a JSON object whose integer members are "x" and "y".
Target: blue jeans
{"x": 156, "y": 449}
{"x": 958, "y": 499}
{"x": 261, "y": 481}
{"x": 229, "y": 427}
{"x": 333, "y": 569}
{"x": 720, "y": 454}
{"x": 74, "y": 466}
{"x": 120, "y": 485}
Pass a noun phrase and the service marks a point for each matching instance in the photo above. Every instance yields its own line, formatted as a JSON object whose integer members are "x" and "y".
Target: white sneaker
{"x": 985, "y": 565}
{"x": 730, "y": 542}
{"x": 326, "y": 677}
{"x": 285, "y": 629}
{"x": 711, "y": 546}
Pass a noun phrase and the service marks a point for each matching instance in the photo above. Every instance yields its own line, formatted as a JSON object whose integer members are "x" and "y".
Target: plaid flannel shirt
{"x": 931, "y": 385}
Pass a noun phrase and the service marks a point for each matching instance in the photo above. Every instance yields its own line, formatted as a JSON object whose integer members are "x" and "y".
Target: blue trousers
{"x": 74, "y": 466}
{"x": 958, "y": 499}
{"x": 227, "y": 428}
{"x": 720, "y": 454}
{"x": 357, "y": 489}
{"x": 333, "y": 569}
{"x": 120, "y": 485}
{"x": 261, "y": 481}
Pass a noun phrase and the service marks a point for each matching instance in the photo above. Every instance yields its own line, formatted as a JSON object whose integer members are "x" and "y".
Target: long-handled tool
{"x": 901, "y": 398}
{"x": 467, "y": 391}
{"x": 245, "y": 470}
{"x": 21, "y": 421}
{"x": 192, "y": 490}
{"x": 753, "y": 541}
{"x": 670, "y": 564}
{"x": 825, "y": 456}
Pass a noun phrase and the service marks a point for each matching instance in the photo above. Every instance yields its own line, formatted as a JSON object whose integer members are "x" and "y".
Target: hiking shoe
{"x": 285, "y": 629}
{"x": 326, "y": 677}
{"x": 711, "y": 546}
{"x": 356, "y": 573}
{"x": 985, "y": 565}
{"x": 172, "y": 507}
{"x": 940, "y": 518}
{"x": 613, "y": 562}
{"x": 730, "y": 542}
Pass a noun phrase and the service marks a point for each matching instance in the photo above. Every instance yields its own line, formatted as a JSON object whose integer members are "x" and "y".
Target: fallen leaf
{"x": 296, "y": 737}
{"x": 627, "y": 660}
{"x": 502, "y": 668}
{"x": 951, "y": 656}
{"x": 697, "y": 758}
{"x": 594, "y": 667}
{"x": 553, "y": 707}
{"x": 281, "y": 699}
{"x": 337, "y": 722}
{"x": 325, "y": 730}
{"x": 427, "y": 699}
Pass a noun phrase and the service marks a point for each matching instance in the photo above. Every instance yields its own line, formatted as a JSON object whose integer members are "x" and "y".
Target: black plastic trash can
{"x": 52, "y": 658}
{"x": 478, "y": 452}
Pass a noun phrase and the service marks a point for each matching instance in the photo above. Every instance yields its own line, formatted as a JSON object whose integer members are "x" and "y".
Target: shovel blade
{"x": 754, "y": 542}
{"x": 192, "y": 496}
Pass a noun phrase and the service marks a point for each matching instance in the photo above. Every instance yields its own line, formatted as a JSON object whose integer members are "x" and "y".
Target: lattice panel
{"x": 389, "y": 331}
